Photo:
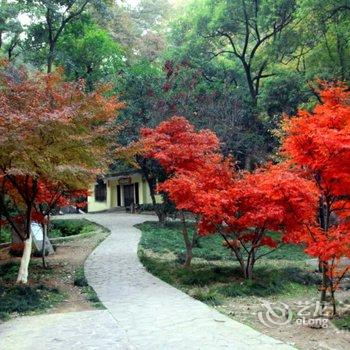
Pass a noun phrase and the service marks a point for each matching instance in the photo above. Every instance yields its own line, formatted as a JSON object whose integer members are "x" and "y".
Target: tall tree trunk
{"x": 23, "y": 269}
{"x": 50, "y": 57}
{"x": 333, "y": 301}
{"x": 187, "y": 241}
{"x": 250, "y": 265}
{"x": 157, "y": 208}
{"x": 27, "y": 251}
{"x": 43, "y": 247}
{"x": 324, "y": 285}
{"x": 324, "y": 215}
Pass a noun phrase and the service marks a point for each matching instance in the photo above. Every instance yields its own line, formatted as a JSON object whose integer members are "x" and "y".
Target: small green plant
{"x": 70, "y": 227}
{"x": 5, "y": 234}
{"x": 208, "y": 296}
{"x": 342, "y": 323}
{"x": 79, "y": 278}
{"x": 81, "y": 281}
{"x": 24, "y": 299}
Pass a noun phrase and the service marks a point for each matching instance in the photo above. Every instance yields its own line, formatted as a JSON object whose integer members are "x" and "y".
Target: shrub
{"x": 5, "y": 234}
{"x": 70, "y": 227}
{"x": 79, "y": 278}
{"x": 23, "y": 299}
{"x": 208, "y": 296}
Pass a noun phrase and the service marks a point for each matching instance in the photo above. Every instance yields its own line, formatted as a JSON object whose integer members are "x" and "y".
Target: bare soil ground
{"x": 300, "y": 334}
{"x": 62, "y": 266}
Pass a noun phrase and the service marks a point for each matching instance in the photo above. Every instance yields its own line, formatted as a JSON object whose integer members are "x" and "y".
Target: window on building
{"x": 100, "y": 191}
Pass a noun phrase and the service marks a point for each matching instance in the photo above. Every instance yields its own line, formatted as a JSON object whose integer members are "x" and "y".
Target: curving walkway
{"x": 142, "y": 311}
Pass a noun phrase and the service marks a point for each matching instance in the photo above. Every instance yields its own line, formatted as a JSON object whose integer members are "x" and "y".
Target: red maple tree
{"x": 178, "y": 148}
{"x": 318, "y": 142}
{"x": 50, "y": 198}
{"x": 244, "y": 207}
{"x": 52, "y": 134}
{"x": 199, "y": 191}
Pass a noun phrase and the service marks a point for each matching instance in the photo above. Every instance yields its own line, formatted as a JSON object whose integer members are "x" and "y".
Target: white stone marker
{"x": 37, "y": 233}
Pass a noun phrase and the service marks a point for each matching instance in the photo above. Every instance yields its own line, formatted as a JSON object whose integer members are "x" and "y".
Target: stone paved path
{"x": 142, "y": 311}
{"x": 86, "y": 330}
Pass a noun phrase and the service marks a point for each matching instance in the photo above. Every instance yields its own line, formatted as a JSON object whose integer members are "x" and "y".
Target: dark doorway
{"x": 129, "y": 195}
{"x": 137, "y": 200}
{"x": 119, "y": 197}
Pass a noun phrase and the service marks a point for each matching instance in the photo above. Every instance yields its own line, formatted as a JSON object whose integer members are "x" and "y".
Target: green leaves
{"x": 87, "y": 51}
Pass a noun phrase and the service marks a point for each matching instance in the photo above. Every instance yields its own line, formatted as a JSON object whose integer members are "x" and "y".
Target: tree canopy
{"x": 211, "y": 89}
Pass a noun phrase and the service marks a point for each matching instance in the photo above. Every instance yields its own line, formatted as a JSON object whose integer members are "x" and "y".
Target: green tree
{"x": 51, "y": 20}
{"x": 324, "y": 45}
{"x": 239, "y": 31}
{"x": 10, "y": 27}
{"x": 87, "y": 51}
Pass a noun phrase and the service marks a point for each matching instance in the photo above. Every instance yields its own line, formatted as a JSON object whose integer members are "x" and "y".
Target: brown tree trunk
{"x": 333, "y": 301}
{"x": 157, "y": 208}
{"x": 187, "y": 241}
{"x": 238, "y": 254}
{"x": 50, "y": 57}
{"x": 324, "y": 285}
{"x": 249, "y": 266}
{"x": 43, "y": 247}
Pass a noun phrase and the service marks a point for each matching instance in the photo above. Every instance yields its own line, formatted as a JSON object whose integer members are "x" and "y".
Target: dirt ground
{"x": 68, "y": 257}
{"x": 299, "y": 330}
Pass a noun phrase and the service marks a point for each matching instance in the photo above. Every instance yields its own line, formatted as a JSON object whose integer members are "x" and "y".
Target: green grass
{"x": 25, "y": 299}
{"x": 214, "y": 276}
{"x": 227, "y": 281}
{"x": 70, "y": 227}
{"x": 169, "y": 239}
{"x": 5, "y": 234}
{"x": 342, "y": 323}
{"x": 59, "y": 228}
{"x": 81, "y": 281}
{"x": 207, "y": 295}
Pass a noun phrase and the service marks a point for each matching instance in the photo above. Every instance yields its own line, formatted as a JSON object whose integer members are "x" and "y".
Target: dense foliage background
{"x": 232, "y": 66}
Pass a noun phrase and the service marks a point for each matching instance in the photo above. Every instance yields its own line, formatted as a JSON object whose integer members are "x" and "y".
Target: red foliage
{"x": 244, "y": 206}
{"x": 181, "y": 151}
{"x": 57, "y": 195}
{"x": 272, "y": 199}
{"x": 54, "y": 139}
{"x": 200, "y": 190}
{"x": 318, "y": 142}
{"x": 177, "y": 146}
